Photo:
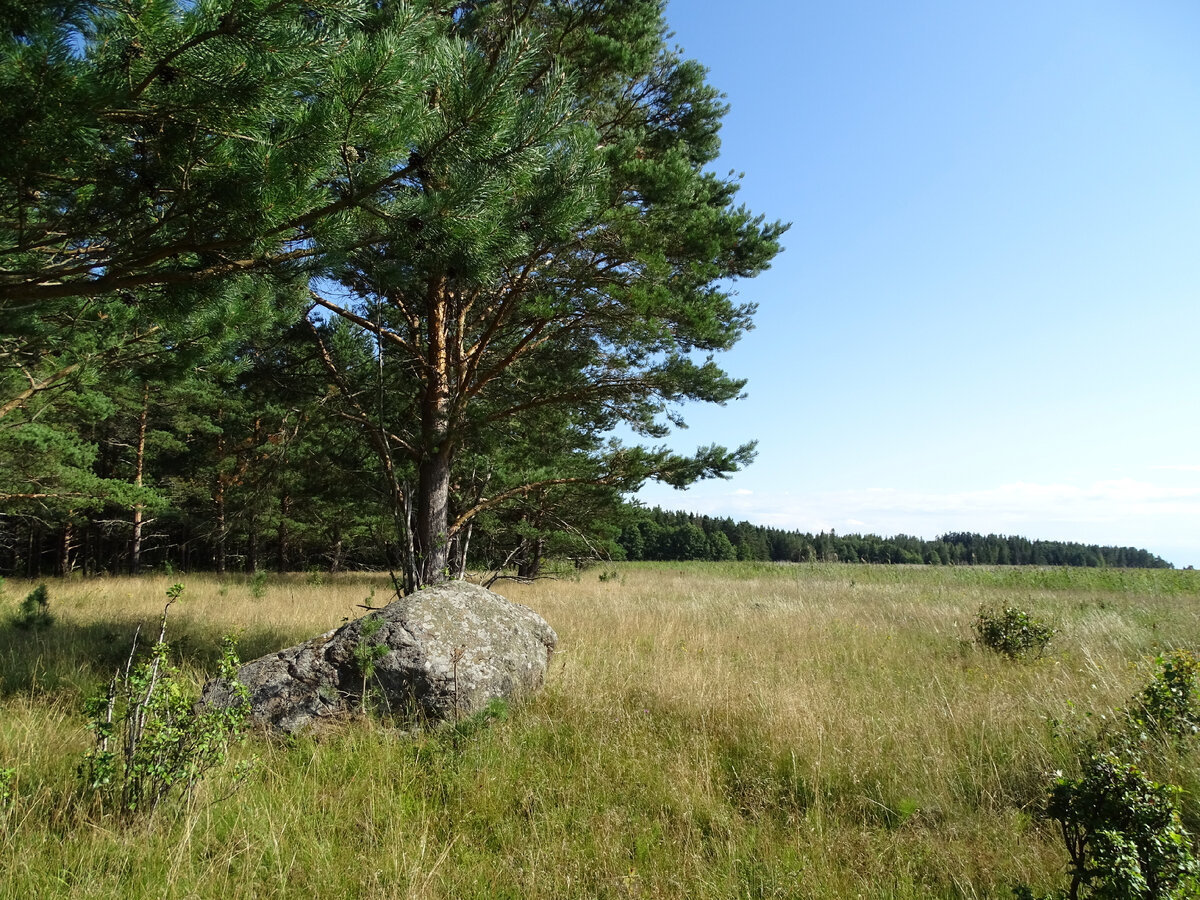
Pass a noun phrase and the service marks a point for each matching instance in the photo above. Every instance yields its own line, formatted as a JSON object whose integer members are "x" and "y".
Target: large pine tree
{"x": 559, "y": 249}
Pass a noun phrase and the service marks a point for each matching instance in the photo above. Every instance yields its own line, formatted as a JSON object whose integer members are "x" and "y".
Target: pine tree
{"x": 557, "y": 249}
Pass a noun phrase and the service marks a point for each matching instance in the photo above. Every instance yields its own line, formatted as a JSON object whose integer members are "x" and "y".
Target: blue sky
{"x": 986, "y": 317}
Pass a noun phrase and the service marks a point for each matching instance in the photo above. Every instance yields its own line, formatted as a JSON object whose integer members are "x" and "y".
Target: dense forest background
{"x": 660, "y": 535}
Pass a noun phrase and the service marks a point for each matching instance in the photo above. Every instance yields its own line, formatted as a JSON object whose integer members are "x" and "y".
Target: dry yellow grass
{"x": 707, "y": 731}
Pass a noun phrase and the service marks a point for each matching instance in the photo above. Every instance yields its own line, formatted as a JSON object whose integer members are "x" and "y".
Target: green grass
{"x": 708, "y": 731}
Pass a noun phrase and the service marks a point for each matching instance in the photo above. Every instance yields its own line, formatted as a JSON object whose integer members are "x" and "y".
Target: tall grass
{"x": 708, "y": 731}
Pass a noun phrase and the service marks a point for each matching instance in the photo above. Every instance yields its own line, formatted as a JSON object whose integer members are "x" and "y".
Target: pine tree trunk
{"x": 530, "y": 564}
{"x": 66, "y": 562}
{"x": 433, "y": 484}
{"x": 433, "y": 497}
{"x": 252, "y": 546}
{"x": 135, "y": 547}
{"x": 34, "y": 566}
{"x": 285, "y": 508}
{"x": 219, "y": 504}
{"x": 219, "y": 500}
{"x": 89, "y": 548}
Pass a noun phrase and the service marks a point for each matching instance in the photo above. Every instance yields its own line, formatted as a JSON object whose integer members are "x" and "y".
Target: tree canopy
{"x": 479, "y": 237}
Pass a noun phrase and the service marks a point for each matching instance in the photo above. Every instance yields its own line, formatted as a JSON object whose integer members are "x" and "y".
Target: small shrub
{"x": 1123, "y": 834}
{"x": 316, "y": 577}
{"x": 258, "y": 585}
{"x": 369, "y": 651}
{"x": 151, "y": 735}
{"x": 34, "y": 612}
{"x": 1170, "y": 703}
{"x": 1011, "y": 631}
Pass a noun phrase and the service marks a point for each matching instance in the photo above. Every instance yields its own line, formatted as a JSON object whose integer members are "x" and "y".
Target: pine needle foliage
{"x": 557, "y": 250}
{"x": 164, "y": 142}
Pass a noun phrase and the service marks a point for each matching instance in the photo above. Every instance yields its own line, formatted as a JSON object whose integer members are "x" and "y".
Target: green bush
{"x": 152, "y": 737}
{"x": 1123, "y": 834}
{"x": 1011, "y": 631}
{"x": 1170, "y": 703}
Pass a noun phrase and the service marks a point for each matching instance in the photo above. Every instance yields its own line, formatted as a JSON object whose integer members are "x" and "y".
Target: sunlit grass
{"x": 707, "y": 731}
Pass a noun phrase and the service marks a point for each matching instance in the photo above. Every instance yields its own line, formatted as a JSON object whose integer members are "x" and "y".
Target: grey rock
{"x": 450, "y": 650}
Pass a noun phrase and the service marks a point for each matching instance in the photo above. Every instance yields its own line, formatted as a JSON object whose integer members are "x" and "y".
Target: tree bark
{"x": 433, "y": 496}
{"x": 530, "y": 563}
{"x": 285, "y": 509}
{"x": 433, "y": 471}
{"x": 252, "y": 546}
{"x": 462, "y": 546}
{"x": 34, "y": 566}
{"x": 222, "y": 531}
{"x": 66, "y": 561}
{"x": 135, "y": 546}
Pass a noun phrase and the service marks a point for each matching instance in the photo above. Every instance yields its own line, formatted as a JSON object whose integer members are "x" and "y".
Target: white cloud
{"x": 1185, "y": 468}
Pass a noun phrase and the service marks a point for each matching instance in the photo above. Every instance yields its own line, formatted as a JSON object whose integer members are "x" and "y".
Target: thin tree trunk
{"x": 89, "y": 531}
{"x": 219, "y": 503}
{"x": 33, "y": 568}
{"x": 285, "y": 508}
{"x": 135, "y": 547}
{"x": 65, "y": 561}
{"x": 252, "y": 546}
{"x": 407, "y": 535}
{"x": 463, "y": 540}
{"x": 464, "y": 546}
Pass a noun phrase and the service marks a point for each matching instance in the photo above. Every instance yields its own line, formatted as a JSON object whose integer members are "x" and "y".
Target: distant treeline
{"x": 657, "y": 534}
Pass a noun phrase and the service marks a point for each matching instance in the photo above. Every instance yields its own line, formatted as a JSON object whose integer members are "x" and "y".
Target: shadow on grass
{"x": 79, "y": 658}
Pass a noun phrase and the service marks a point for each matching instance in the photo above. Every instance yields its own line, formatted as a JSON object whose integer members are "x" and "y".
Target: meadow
{"x": 707, "y": 731}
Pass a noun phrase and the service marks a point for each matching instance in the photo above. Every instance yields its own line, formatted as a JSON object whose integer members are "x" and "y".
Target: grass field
{"x": 707, "y": 731}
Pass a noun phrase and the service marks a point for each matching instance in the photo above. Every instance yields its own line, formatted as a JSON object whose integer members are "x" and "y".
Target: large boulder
{"x": 443, "y": 653}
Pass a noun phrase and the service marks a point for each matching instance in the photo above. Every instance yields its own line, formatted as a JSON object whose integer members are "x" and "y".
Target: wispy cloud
{"x": 1182, "y": 468}
{"x": 1016, "y": 505}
